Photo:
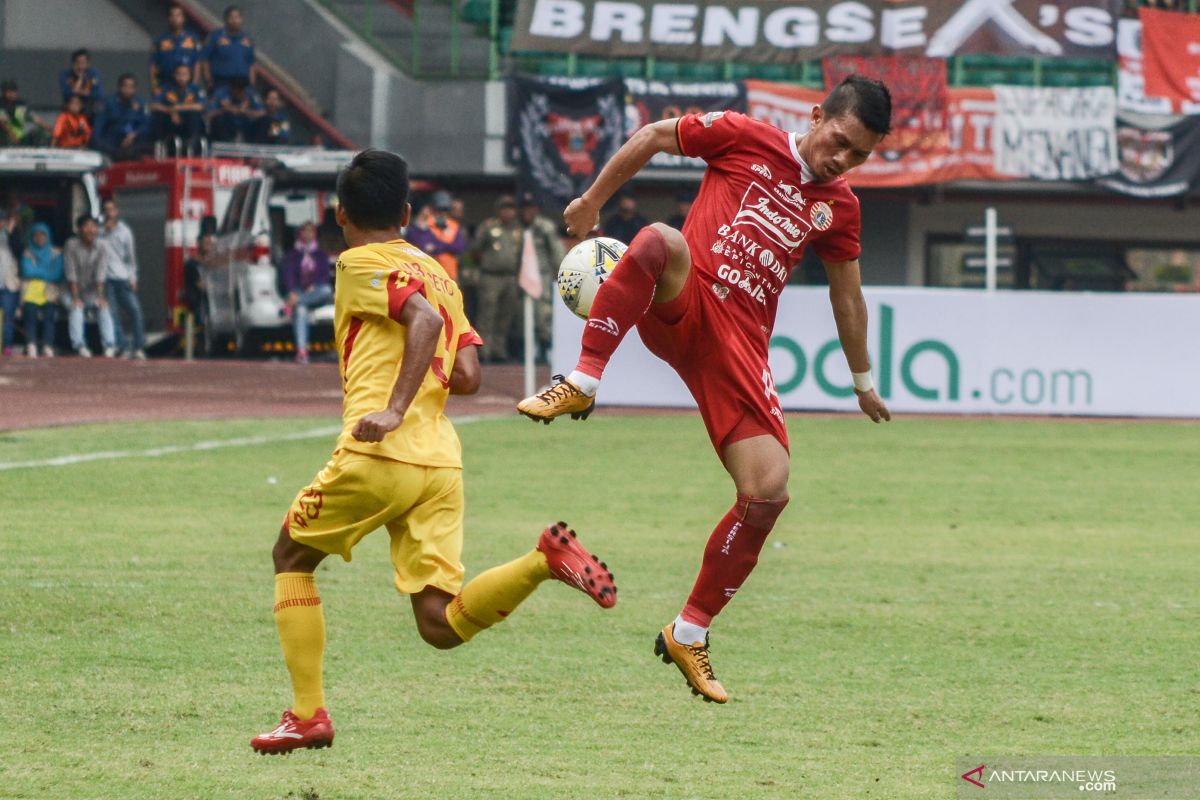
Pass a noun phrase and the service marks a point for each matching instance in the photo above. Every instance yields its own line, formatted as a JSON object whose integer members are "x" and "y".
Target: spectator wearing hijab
{"x": 306, "y": 275}
{"x": 41, "y": 274}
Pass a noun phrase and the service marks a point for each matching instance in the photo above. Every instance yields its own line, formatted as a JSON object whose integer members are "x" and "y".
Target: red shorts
{"x": 724, "y": 368}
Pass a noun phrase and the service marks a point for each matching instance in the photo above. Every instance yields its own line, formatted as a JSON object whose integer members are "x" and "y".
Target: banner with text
{"x": 1171, "y": 54}
{"x": 1131, "y": 76}
{"x": 788, "y": 32}
{"x": 1055, "y": 134}
{"x": 1157, "y": 162}
{"x": 651, "y": 101}
{"x": 955, "y": 351}
{"x": 963, "y": 151}
{"x": 561, "y": 131}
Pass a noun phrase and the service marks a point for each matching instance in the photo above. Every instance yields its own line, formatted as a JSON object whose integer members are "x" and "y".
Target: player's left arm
{"x": 850, "y": 314}
{"x": 424, "y": 328}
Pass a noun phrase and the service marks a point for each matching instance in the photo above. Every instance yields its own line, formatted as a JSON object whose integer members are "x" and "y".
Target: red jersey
{"x": 755, "y": 214}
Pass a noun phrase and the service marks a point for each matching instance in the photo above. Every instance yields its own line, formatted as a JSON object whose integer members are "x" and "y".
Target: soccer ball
{"x": 584, "y": 268}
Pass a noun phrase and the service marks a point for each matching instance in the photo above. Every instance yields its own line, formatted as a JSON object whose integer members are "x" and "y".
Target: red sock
{"x": 622, "y": 300}
{"x": 730, "y": 556}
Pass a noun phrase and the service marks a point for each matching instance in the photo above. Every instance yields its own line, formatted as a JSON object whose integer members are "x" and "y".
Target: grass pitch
{"x": 936, "y": 589}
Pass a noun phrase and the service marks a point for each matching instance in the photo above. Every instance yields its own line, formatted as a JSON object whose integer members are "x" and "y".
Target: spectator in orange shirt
{"x": 439, "y": 234}
{"x": 72, "y": 130}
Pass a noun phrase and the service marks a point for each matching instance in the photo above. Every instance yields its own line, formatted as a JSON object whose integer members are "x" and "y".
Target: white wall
{"x": 69, "y": 24}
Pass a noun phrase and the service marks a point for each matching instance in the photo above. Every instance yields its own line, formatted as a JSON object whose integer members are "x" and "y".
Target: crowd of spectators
{"x": 200, "y": 89}
{"x": 93, "y": 275}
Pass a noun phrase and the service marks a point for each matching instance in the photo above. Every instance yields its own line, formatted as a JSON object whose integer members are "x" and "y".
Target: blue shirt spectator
{"x": 276, "y": 128}
{"x": 123, "y": 127}
{"x": 177, "y": 110}
{"x": 83, "y": 79}
{"x": 177, "y": 46}
{"x": 235, "y": 109}
{"x": 229, "y": 52}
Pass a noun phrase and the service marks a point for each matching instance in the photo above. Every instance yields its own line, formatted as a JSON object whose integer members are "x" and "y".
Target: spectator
{"x": 235, "y": 111}
{"x": 121, "y": 283}
{"x": 229, "y": 54}
{"x": 71, "y": 129}
{"x": 683, "y": 204}
{"x": 275, "y": 127}
{"x": 438, "y": 234}
{"x": 625, "y": 224}
{"x": 83, "y": 80}
{"x": 20, "y": 127}
{"x": 41, "y": 274}
{"x": 21, "y": 219}
{"x": 175, "y": 47}
{"x": 193, "y": 276}
{"x": 122, "y": 131}
{"x": 176, "y": 110}
{"x": 498, "y": 245}
{"x": 548, "y": 247}
{"x": 306, "y": 273}
{"x": 85, "y": 261}
{"x": 10, "y": 282}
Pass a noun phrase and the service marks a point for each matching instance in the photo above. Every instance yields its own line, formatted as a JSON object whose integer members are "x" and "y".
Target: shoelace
{"x": 701, "y": 654}
{"x": 561, "y": 390}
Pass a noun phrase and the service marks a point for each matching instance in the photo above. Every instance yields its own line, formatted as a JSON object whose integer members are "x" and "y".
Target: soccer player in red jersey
{"x": 704, "y": 299}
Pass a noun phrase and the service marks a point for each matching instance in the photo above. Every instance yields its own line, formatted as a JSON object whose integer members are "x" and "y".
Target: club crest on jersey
{"x": 711, "y": 117}
{"x": 762, "y": 169}
{"x": 821, "y": 215}
{"x": 760, "y": 209}
{"x": 720, "y": 291}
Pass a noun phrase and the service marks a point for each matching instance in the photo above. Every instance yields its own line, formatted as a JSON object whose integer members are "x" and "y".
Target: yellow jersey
{"x": 373, "y": 283}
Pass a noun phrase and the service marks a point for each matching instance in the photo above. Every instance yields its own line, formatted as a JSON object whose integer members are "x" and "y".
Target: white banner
{"x": 1056, "y": 134}
{"x": 958, "y": 351}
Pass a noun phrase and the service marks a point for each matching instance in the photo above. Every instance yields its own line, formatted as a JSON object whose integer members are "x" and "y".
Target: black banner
{"x": 788, "y": 32}
{"x": 1156, "y": 162}
{"x": 651, "y": 101}
{"x": 561, "y": 131}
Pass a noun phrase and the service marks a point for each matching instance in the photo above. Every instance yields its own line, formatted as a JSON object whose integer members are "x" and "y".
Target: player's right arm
{"x": 583, "y": 213}
{"x": 466, "y": 375}
{"x": 424, "y": 329}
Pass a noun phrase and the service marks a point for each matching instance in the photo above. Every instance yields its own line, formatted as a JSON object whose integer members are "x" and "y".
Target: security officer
{"x": 177, "y": 46}
{"x": 229, "y": 53}
{"x": 548, "y": 246}
{"x": 498, "y": 247}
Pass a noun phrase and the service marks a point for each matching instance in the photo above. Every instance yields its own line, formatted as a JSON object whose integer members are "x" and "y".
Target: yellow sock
{"x": 493, "y": 595}
{"x": 301, "y": 624}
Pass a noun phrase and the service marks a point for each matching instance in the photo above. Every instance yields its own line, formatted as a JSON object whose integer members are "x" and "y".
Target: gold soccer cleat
{"x": 692, "y": 660}
{"x": 563, "y": 397}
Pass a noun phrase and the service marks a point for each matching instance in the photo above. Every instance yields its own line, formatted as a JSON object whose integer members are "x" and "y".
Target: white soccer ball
{"x": 585, "y": 267}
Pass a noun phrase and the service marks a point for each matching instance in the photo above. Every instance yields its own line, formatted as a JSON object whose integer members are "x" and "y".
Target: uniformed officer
{"x": 498, "y": 247}
{"x": 548, "y": 246}
{"x": 229, "y": 53}
{"x": 177, "y": 46}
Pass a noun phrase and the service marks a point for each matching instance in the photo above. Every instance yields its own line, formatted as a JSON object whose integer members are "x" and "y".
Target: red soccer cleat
{"x": 294, "y": 733}
{"x": 572, "y": 564}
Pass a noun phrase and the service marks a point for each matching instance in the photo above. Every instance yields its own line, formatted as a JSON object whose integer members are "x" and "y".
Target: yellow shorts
{"x": 421, "y": 507}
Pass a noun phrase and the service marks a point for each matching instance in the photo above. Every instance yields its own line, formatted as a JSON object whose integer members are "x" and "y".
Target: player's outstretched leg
{"x": 301, "y": 624}
{"x": 493, "y": 595}
{"x": 761, "y": 465}
{"x": 653, "y": 269}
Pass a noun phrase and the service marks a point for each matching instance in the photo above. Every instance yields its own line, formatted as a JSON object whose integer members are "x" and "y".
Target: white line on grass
{"x": 197, "y": 447}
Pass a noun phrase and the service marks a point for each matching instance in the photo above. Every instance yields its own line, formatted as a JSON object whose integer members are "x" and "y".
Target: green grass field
{"x": 936, "y": 589}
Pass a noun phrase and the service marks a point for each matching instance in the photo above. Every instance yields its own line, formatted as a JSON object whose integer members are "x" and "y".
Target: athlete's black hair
{"x": 867, "y": 99}
{"x": 373, "y": 190}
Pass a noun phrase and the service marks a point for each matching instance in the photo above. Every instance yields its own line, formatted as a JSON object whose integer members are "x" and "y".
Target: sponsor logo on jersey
{"x": 742, "y": 280}
{"x": 720, "y": 291}
{"x": 712, "y": 117}
{"x": 760, "y": 209}
{"x": 821, "y": 215}
{"x": 608, "y": 325}
{"x": 762, "y": 169}
{"x": 790, "y": 193}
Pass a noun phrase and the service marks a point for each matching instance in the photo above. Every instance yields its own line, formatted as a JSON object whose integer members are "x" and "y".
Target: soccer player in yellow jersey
{"x": 405, "y": 344}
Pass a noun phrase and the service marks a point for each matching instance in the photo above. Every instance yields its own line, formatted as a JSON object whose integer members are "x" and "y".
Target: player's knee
{"x": 433, "y": 627}
{"x": 762, "y": 512}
